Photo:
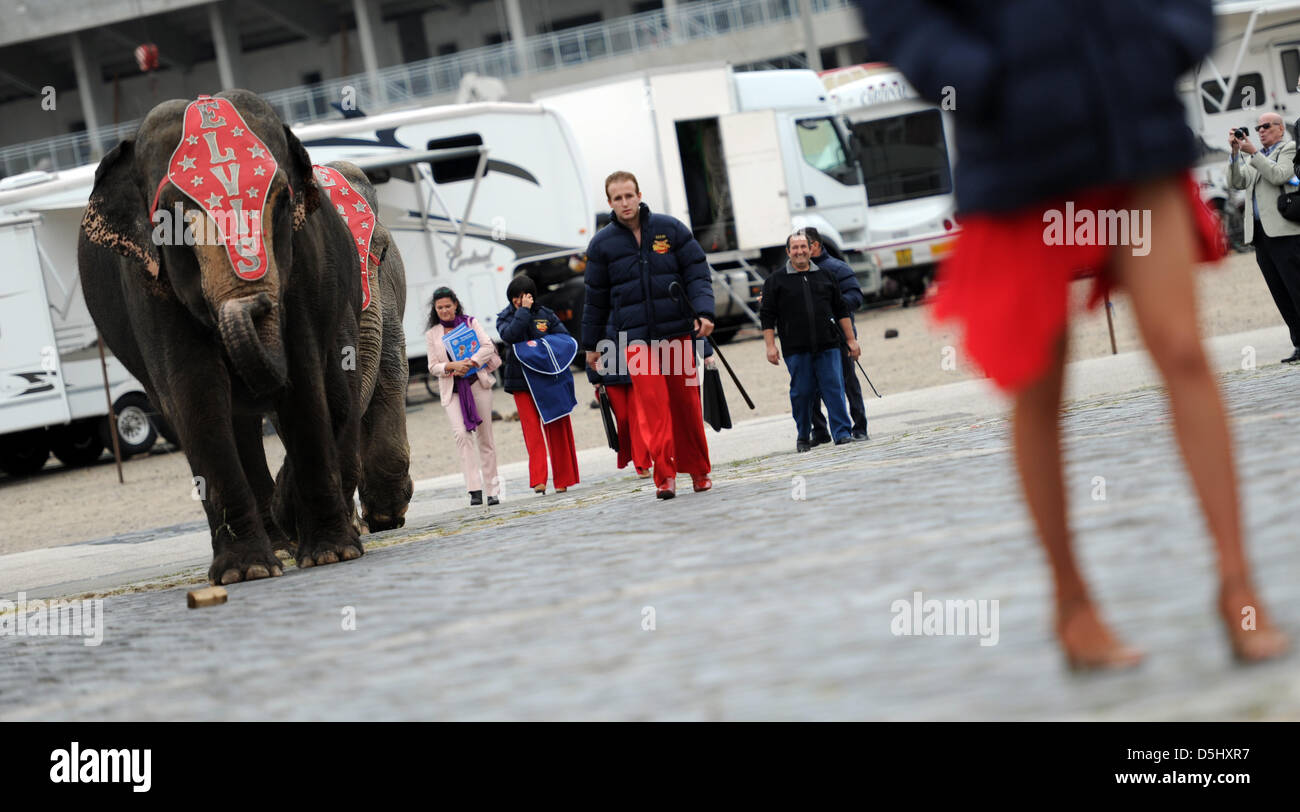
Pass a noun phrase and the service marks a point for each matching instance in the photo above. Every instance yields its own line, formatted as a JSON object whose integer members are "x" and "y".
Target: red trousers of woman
{"x": 631, "y": 448}
{"x": 538, "y": 437}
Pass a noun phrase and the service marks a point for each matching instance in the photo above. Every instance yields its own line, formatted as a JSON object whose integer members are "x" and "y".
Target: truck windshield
{"x": 903, "y": 157}
{"x": 823, "y": 150}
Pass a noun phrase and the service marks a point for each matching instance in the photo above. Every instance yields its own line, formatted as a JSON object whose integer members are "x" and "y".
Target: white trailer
{"x": 743, "y": 158}
{"x": 471, "y": 193}
{"x": 1254, "y": 68}
{"x": 905, "y": 146}
{"x": 51, "y": 379}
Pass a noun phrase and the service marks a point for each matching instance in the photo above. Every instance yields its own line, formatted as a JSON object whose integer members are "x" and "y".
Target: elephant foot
{"x": 378, "y": 522}
{"x": 241, "y": 564}
{"x": 327, "y": 552}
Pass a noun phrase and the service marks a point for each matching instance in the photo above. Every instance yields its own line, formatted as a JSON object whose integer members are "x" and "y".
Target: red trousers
{"x": 667, "y": 409}
{"x": 538, "y": 437}
{"x": 630, "y": 446}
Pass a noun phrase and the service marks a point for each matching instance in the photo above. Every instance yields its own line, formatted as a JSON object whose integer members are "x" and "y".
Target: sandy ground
{"x": 61, "y": 506}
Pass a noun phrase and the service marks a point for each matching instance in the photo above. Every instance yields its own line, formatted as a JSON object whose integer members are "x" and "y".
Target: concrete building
{"x": 70, "y": 85}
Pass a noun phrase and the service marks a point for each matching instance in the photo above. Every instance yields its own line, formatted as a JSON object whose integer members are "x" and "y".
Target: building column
{"x": 367, "y": 25}
{"x": 811, "y": 52}
{"x": 89, "y": 87}
{"x": 225, "y": 41}
{"x": 670, "y": 14}
{"x": 515, "y": 26}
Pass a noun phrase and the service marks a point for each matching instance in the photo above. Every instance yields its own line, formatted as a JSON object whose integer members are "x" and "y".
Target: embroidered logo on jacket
{"x": 541, "y": 325}
{"x": 660, "y": 245}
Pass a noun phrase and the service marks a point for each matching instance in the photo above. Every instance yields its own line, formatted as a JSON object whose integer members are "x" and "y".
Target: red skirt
{"x": 1009, "y": 288}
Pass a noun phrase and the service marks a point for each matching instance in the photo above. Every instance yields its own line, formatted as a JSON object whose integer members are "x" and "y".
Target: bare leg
{"x": 1086, "y": 640}
{"x": 1162, "y": 287}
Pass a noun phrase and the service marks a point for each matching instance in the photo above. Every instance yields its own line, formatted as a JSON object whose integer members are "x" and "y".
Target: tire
{"x": 136, "y": 433}
{"x": 77, "y": 444}
{"x": 24, "y": 452}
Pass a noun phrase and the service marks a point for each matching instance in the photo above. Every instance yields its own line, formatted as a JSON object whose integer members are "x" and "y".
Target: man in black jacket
{"x": 631, "y": 266}
{"x": 852, "y": 293}
{"x": 804, "y": 304}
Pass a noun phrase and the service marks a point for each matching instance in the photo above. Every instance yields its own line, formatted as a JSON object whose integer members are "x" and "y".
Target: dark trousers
{"x": 852, "y": 390}
{"x": 813, "y": 375}
{"x": 1279, "y": 261}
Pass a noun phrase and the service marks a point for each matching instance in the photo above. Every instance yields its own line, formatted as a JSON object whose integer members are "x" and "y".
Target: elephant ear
{"x": 301, "y": 180}
{"x": 117, "y": 214}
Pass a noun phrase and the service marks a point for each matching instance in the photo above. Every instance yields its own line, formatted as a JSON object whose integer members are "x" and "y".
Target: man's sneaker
{"x": 1294, "y": 359}
{"x": 802, "y": 445}
{"x": 820, "y": 438}
{"x": 860, "y": 435}
{"x": 845, "y": 440}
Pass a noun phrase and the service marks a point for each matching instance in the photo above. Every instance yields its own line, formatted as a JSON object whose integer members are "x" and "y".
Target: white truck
{"x": 51, "y": 380}
{"x": 905, "y": 146}
{"x": 742, "y": 157}
{"x": 1254, "y": 68}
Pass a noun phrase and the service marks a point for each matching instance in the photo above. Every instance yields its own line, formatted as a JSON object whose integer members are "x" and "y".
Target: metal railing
{"x": 416, "y": 81}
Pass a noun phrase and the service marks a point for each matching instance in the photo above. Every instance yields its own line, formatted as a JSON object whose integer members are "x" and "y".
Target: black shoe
{"x": 1294, "y": 359}
{"x": 492, "y": 500}
{"x": 845, "y": 440}
{"x": 820, "y": 438}
{"x": 802, "y": 445}
{"x": 476, "y": 497}
{"x": 861, "y": 435}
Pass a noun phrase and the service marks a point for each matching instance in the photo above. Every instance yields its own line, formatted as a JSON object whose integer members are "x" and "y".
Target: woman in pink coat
{"x": 467, "y": 400}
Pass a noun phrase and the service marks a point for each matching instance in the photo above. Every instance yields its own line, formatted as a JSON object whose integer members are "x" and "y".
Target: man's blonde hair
{"x": 619, "y": 177}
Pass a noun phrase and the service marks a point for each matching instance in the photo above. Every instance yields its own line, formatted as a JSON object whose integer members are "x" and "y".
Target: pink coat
{"x": 486, "y": 357}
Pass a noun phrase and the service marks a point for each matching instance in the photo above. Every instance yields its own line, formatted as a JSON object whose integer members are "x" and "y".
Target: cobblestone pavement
{"x": 764, "y": 606}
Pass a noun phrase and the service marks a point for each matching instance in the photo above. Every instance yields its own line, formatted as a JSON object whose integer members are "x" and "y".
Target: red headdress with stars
{"x": 358, "y": 216}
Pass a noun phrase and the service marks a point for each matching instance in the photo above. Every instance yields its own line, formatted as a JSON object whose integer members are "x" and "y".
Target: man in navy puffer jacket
{"x": 631, "y": 264}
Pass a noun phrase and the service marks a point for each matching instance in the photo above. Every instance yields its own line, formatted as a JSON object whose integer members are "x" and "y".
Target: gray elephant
{"x": 224, "y": 327}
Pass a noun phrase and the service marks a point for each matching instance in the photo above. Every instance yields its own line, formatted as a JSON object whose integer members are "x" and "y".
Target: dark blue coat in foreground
{"x": 1050, "y": 96}
{"x": 627, "y": 285}
{"x": 850, "y": 288}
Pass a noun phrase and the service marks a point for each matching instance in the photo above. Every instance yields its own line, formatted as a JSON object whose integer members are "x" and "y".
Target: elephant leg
{"x": 319, "y": 424}
{"x": 385, "y": 459}
{"x": 252, "y": 455}
{"x": 241, "y": 549}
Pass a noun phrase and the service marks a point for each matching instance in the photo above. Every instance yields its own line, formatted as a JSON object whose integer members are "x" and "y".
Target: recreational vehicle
{"x": 742, "y": 157}
{"x": 904, "y": 144}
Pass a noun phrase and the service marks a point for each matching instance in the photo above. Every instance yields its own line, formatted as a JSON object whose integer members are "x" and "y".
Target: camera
{"x": 1242, "y": 133}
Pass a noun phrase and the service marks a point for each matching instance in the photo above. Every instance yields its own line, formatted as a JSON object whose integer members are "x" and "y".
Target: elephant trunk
{"x": 251, "y": 333}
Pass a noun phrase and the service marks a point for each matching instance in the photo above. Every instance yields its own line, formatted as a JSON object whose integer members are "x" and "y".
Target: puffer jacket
{"x": 519, "y": 324}
{"x": 627, "y": 285}
{"x": 1050, "y": 97}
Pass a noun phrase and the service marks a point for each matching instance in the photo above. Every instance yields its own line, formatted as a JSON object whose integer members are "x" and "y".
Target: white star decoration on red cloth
{"x": 360, "y": 222}
{"x": 214, "y": 138}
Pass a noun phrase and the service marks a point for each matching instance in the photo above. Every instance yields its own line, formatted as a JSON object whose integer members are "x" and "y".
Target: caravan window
{"x": 1252, "y": 82}
{"x": 823, "y": 150}
{"x": 1291, "y": 69}
{"x": 456, "y": 168}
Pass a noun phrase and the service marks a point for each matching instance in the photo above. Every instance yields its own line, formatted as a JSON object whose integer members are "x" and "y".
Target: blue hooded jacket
{"x": 516, "y": 325}
{"x": 627, "y": 285}
{"x": 1050, "y": 97}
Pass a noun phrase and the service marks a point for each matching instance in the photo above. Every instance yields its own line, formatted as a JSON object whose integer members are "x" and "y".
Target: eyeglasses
{"x": 1262, "y": 127}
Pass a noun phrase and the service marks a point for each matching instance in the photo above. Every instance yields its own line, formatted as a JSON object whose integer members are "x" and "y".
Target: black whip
{"x": 844, "y": 344}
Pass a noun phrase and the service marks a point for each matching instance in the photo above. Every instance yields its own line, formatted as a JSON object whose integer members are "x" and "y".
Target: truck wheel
{"x": 77, "y": 444}
{"x": 24, "y": 452}
{"x": 135, "y": 432}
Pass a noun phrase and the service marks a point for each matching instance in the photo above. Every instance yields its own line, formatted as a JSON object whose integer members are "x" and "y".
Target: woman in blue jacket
{"x": 1069, "y": 107}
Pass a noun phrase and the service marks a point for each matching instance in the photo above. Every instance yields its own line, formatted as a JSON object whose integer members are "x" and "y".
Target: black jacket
{"x": 850, "y": 288}
{"x": 627, "y": 285}
{"x": 1050, "y": 97}
{"x": 516, "y": 325}
{"x": 804, "y": 309}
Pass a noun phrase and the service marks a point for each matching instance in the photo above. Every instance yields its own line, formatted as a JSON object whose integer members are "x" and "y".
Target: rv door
{"x": 755, "y": 173}
{"x": 31, "y": 384}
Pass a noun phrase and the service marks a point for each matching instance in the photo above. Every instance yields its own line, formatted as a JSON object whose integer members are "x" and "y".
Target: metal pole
{"x": 1110, "y": 323}
{"x": 112, "y": 418}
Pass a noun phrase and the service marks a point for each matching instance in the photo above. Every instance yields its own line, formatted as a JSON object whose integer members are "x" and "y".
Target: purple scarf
{"x": 468, "y": 409}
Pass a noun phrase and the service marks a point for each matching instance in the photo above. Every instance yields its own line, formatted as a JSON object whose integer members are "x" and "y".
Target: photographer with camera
{"x": 1265, "y": 174}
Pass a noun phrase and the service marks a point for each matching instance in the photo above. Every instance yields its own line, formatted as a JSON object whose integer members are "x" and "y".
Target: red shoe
{"x": 701, "y": 483}
{"x": 644, "y": 473}
{"x": 668, "y": 491}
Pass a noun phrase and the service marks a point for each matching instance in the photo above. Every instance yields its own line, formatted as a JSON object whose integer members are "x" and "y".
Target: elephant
{"x": 222, "y": 332}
